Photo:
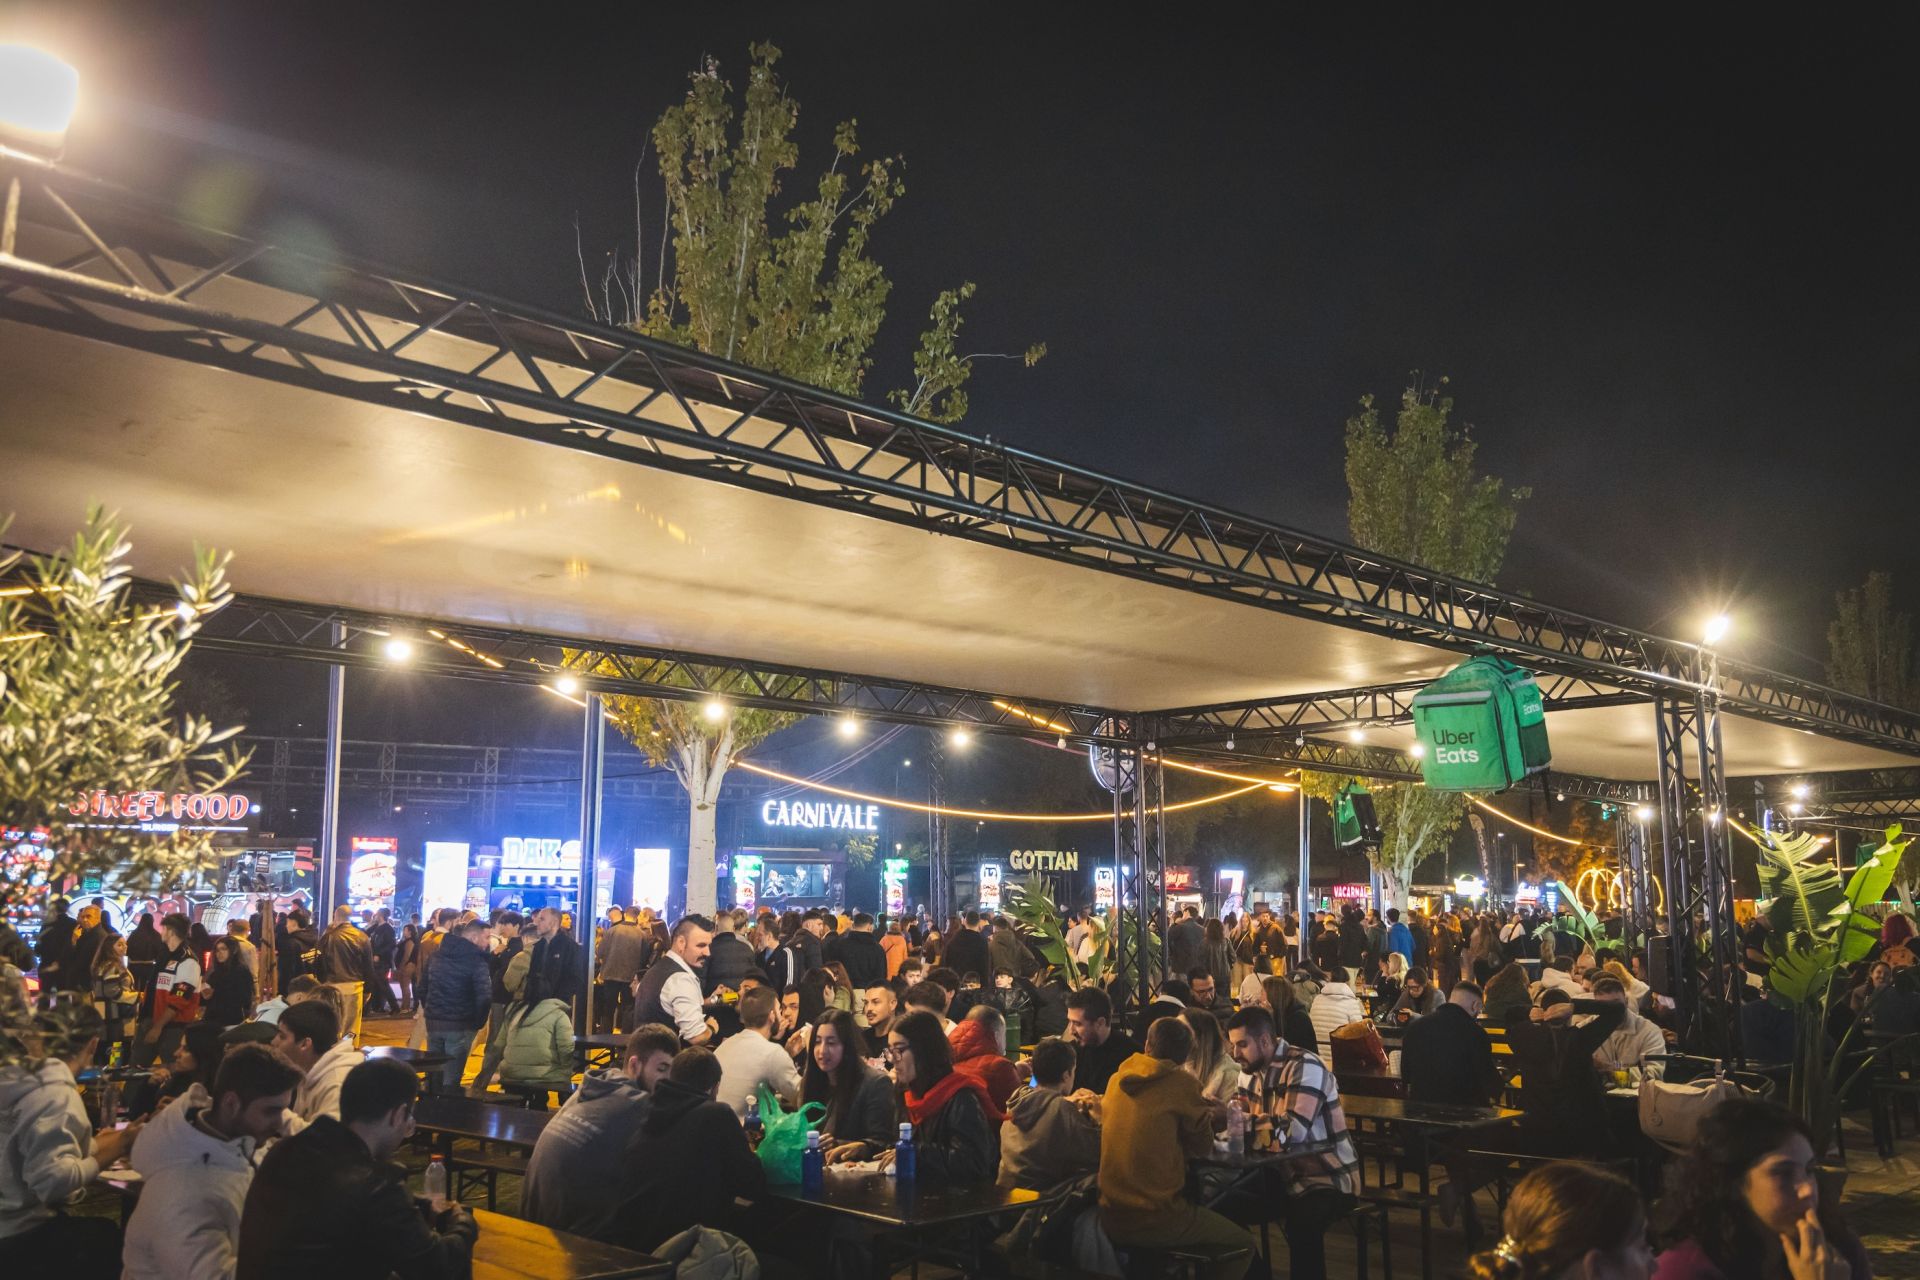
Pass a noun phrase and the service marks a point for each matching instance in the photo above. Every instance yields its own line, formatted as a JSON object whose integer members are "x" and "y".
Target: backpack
{"x": 1483, "y": 726}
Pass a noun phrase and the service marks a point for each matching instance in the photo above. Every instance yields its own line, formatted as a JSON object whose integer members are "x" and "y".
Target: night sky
{"x": 1669, "y": 271}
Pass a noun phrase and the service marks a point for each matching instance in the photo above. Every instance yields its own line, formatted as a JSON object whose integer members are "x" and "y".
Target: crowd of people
{"x": 260, "y": 1124}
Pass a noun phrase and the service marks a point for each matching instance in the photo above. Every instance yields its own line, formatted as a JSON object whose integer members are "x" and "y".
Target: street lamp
{"x": 38, "y": 94}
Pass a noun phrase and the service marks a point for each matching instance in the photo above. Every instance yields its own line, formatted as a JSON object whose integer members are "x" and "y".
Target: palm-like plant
{"x": 1034, "y": 913}
{"x": 1818, "y": 929}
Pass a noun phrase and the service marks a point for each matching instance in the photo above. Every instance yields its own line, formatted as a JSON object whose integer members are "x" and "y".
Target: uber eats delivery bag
{"x": 1483, "y": 726}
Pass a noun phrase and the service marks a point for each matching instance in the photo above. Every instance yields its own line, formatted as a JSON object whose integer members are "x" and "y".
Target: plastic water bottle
{"x": 756, "y": 1127}
{"x": 813, "y": 1165}
{"x": 902, "y": 1166}
{"x": 437, "y": 1181}
{"x": 1236, "y": 1129}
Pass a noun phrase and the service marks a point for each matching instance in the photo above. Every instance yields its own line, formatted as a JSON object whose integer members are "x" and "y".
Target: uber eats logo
{"x": 1451, "y": 747}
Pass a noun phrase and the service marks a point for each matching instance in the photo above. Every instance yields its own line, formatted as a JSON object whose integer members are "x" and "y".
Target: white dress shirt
{"x": 680, "y": 997}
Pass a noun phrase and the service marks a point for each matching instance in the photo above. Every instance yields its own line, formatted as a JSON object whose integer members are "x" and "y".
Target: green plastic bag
{"x": 786, "y": 1137}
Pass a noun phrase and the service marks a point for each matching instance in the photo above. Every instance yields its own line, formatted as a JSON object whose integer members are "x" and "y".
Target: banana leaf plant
{"x": 1581, "y": 923}
{"x": 1818, "y": 928}
{"x": 1034, "y": 913}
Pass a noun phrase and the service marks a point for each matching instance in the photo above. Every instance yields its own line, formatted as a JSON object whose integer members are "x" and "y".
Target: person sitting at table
{"x": 931, "y": 997}
{"x": 1299, "y": 1093}
{"x": 1170, "y": 1001}
{"x": 881, "y": 1004}
{"x": 1206, "y": 993}
{"x": 1634, "y": 1043}
{"x": 1571, "y": 1222}
{"x": 859, "y": 1098}
{"x": 689, "y": 1162}
{"x": 309, "y": 1035}
{"x": 753, "y": 1057}
{"x": 1050, "y": 1134}
{"x": 1557, "y": 974}
{"x": 1386, "y": 986}
{"x": 538, "y": 1056}
{"x": 1638, "y": 992}
{"x": 956, "y": 1126}
{"x": 1100, "y": 1046}
{"x": 1281, "y": 998}
{"x": 1418, "y": 997}
{"x": 186, "y": 1225}
{"x": 979, "y": 1046}
{"x": 574, "y": 1178}
{"x": 1746, "y": 1201}
{"x": 328, "y": 1198}
{"x": 1447, "y": 1056}
{"x": 1210, "y": 1063}
{"x": 1888, "y": 1008}
{"x": 49, "y": 1153}
{"x": 1560, "y": 1086}
{"x": 1152, "y": 1112}
{"x": 1335, "y": 1006}
{"x": 1507, "y": 995}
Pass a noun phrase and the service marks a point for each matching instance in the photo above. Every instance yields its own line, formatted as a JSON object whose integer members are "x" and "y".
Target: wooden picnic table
{"x": 512, "y": 1249}
{"x": 457, "y": 1117}
{"x": 605, "y": 1044}
{"x": 909, "y": 1212}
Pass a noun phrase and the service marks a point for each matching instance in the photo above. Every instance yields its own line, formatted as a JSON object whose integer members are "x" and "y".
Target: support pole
{"x": 1116, "y": 923}
{"x": 330, "y": 781}
{"x": 1723, "y": 953}
{"x": 1306, "y": 871}
{"x": 939, "y": 873}
{"x": 593, "y": 754}
{"x": 1682, "y": 974}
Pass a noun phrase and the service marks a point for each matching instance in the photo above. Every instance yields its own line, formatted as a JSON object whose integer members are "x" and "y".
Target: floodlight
{"x": 38, "y": 93}
{"x": 1418, "y": 750}
{"x": 398, "y": 649}
{"x": 714, "y": 709}
{"x": 960, "y": 737}
{"x": 1717, "y": 628}
{"x": 568, "y": 685}
{"x": 1800, "y": 790}
{"x": 1644, "y": 813}
{"x": 849, "y": 726}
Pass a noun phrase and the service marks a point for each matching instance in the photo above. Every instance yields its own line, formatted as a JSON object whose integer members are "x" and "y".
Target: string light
{"x": 1527, "y": 826}
{"x": 1105, "y": 815}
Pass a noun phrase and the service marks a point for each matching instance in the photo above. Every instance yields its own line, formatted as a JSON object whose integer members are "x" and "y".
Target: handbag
{"x": 1671, "y": 1113}
{"x": 1357, "y": 1047}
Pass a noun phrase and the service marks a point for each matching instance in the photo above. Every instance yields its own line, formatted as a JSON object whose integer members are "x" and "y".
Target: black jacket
{"x": 686, "y": 1166}
{"x": 1446, "y": 1056}
{"x": 866, "y": 962}
{"x": 346, "y": 955}
{"x": 322, "y": 1207}
{"x": 1296, "y": 1028}
{"x": 232, "y": 998}
{"x": 1560, "y": 1087}
{"x": 868, "y": 1116}
{"x": 967, "y": 953}
{"x": 1184, "y": 943}
{"x": 1095, "y": 1066}
{"x": 959, "y": 1144}
{"x": 730, "y": 960}
{"x": 296, "y": 952}
{"x": 557, "y": 972}
{"x": 459, "y": 990}
{"x": 497, "y": 969}
{"x": 381, "y": 937}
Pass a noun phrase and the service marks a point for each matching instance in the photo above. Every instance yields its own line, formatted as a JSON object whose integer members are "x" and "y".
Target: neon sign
{"x": 808, "y": 813}
{"x": 1043, "y": 860}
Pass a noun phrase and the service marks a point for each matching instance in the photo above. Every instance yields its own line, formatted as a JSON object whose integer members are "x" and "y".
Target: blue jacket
{"x": 1400, "y": 938}
{"x": 459, "y": 987}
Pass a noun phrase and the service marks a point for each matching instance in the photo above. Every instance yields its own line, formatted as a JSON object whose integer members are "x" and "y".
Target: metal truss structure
{"x": 1695, "y": 831}
{"x": 139, "y": 276}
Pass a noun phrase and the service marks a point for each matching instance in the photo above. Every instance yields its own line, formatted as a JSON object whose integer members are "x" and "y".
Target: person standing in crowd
{"x": 93, "y": 934}
{"x": 752, "y": 1058}
{"x": 860, "y": 952}
{"x": 1399, "y": 936}
{"x": 507, "y": 963}
{"x": 622, "y": 955}
{"x": 690, "y": 1161}
{"x": 1216, "y": 957}
{"x": 237, "y": 930}
{"x": 298, "y": 949}
{"x": 956, "y": 1126}
{"x": 1745, "y": 1201}
{"x": 1186, "y": 940}
{"x": 49, "y": 1153}
{"x": 1569, "y": 1221}
{"x": 1265, "y": 946}
{"x": 116, "y": 995}
{"x": 346, "y": 965}
{"x": 575, "y": 1178}
{"x": 729, "y": 958}
{"x": 229, "y": 987}
{"x": 428, "y": 948}
{"x": 1152, "y": 1113}
{"x": 54, "y": 949}
{"x": 308, "y": 1035}
{"x": 406, "y": 963}
{"x": 558, "y": 970}
{"x": 1099, "y": 1045}
{"x": 1298, "y": 1093}
{"x": 381, "y": 940}
{"x": 196, "y": 1161}
{"x": 327, "y": 1199}
{"x": 858, "y": 1096}
{"x": 967, "y": 950}
{"x": 146, "y": 952}
{"x": 177, "y": 995}
{"x": 458, "y": 997}
{"x": 894, "y": 943}
{"x": 1050, "y": 1134}
{"x": 669, "y": 992}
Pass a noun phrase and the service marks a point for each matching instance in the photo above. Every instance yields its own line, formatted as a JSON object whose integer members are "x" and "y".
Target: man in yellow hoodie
{"x": 1154, "y": 1110}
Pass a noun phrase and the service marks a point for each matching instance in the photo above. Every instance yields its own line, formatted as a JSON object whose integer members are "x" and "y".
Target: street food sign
{"x": 809, "y": 813}
{"x": 161, "y": 806}
{"x": 1043, "y": 860}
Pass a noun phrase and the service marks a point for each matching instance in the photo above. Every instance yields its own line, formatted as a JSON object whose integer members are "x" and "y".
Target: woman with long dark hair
{"x": 1569, "y": 1222}
{"x": 1289, "y": 1013}
{"x": 232, "y": 986}
{"x": 1745, "y": 1202}
{"x": 956, "y": 1127}
{"x": 857, "y": 1095}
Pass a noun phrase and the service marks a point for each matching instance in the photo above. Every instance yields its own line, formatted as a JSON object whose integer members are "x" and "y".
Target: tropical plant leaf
{"x": 1799, "y": 891}
{"x": 1801, "y": 976}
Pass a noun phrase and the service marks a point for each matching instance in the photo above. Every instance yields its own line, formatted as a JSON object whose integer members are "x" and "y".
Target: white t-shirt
{"x": 749, "y": 1060}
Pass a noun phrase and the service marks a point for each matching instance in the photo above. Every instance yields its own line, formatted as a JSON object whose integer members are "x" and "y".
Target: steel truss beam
{"x": 138, "y": 277}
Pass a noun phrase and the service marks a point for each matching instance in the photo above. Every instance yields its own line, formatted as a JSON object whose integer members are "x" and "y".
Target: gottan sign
{"x": 1043, "y": 860}
{"x": 162, "y": 806}
{"x": 808, "y": 813}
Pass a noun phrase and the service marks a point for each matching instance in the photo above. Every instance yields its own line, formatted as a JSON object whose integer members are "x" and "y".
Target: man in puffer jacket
{"x": 196, "y": 1160}
{"x": 458, "y": 998}
{"x": 979, "y": 1043}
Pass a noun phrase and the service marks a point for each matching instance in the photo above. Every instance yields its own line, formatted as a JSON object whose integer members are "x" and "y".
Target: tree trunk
{"x": 703, "y": 769}
{"x": 1393, "y": 886}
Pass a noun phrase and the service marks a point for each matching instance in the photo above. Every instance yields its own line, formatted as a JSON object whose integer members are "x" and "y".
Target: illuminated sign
{"x": 746, "y": 881}
{"x": 1470, "y": 886}
{"x": 1526, "y": 892}
{"x": 443, "y": 880}
{"x": 162, "y": 806}
{"x": 521, "y": 853}
{"x": 1180, "y": 879}
{"x": 1102, "y": 888}
{"x": 893, "y": 875}
{"x": 1352, "y": 893}
{"x": 372, "y": 873}
{"x": 809, "y": 813}
{"x": 650, "y": 868}
{"x": 989, "y": 886}
{"x": 1043, "y": 860}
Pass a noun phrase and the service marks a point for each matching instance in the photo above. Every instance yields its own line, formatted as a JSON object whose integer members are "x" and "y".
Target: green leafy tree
{"x": 785, "y": 286}
{"x": 1870, "y": 645}
{"x": 1415, "y": 493}
{"x": 87, "y": 707}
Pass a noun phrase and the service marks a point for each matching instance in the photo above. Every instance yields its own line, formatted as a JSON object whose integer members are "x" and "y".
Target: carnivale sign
{"x": 807, "y": 813}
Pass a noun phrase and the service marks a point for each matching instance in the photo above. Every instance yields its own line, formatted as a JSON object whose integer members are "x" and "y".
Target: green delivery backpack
{"x": 1483, "y": 726}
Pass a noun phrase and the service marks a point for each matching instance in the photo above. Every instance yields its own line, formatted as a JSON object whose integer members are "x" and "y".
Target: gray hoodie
{"x": 46, "y": 1144}
{"x": 1045, "y": 1140}
{"x": 577, "y": 1177}
{"x": 187, "y": 1224}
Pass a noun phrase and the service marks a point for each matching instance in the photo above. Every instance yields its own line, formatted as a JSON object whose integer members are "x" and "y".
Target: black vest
{"x": 646, "y": 1000}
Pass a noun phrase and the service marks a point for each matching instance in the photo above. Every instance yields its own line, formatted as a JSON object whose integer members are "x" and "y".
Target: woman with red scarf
{"x": 956, "y": 1127}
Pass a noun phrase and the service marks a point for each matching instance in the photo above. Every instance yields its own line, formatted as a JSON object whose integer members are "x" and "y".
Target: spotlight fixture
{"x": 568, "y": 685}
{"x": 398, "y": 650}
{"x": 960, "y": 738}
{"x": 849, "y": 727}
{"x": 714, "y": 709}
